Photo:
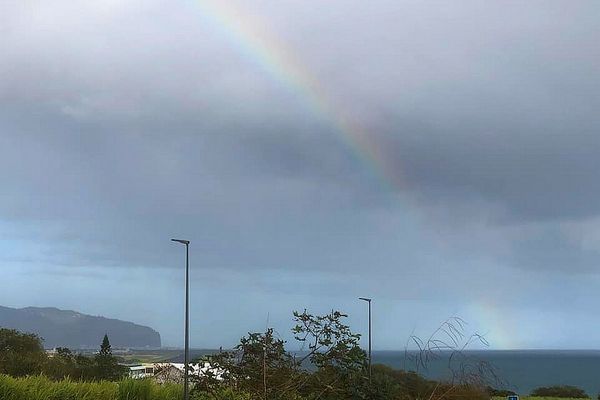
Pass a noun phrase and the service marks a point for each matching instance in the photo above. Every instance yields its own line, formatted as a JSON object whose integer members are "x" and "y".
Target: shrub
{"x": 564, "y": 391}
{"x": 460, "y": 392}
{"x": 499, "y": 392}
{"x": 21, "y": 354}
{"x": 389, "y": 383}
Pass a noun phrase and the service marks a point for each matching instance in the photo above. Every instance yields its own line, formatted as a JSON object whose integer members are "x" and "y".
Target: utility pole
{"x": 370, "y": 369}
{"x": 187, "y": 318}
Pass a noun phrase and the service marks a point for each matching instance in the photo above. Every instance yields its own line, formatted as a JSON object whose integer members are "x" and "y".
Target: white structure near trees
{"x": 168, "y": 372}
{"x": 141, "y": 371}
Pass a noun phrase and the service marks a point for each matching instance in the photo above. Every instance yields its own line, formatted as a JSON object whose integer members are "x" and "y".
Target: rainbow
{"x": 499, "y": 328}
{"x": 251, "y": 37}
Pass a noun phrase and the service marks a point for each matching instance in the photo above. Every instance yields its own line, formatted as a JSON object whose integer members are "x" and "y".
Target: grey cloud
{"x": 125, "y": 123}
{"x": 554, "y": 250}
{"x": 547, "y": 175}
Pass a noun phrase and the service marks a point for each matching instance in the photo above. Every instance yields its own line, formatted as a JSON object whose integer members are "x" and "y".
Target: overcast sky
{"x": 126, "y": 123}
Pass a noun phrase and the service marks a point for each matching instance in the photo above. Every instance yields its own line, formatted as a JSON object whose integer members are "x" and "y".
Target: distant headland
{"x": 65, "y": 328}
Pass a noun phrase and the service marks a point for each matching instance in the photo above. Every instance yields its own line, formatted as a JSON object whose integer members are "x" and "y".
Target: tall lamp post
{"x": 369, "y": 301}
{"x": 187, "y": 316}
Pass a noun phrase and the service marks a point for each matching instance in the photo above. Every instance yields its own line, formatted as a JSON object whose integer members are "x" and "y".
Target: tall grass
{"x": 42, "y": 388}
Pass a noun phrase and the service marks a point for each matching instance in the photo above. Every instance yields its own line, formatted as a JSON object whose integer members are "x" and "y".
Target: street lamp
{"x": 187, "y": 316}
{"x": 369, "y": 301}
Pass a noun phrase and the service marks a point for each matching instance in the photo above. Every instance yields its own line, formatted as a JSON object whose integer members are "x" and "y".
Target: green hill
{"x": 64, "y": 328}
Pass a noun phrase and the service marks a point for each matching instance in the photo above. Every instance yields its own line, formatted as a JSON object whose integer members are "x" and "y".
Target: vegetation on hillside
{"x": 22, "y": 354}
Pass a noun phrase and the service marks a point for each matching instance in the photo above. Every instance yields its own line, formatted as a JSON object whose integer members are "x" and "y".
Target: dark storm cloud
{"x": 506, "y": 115}
{"x": 553, "y": 250}
{"x": 539, "y": 173}
{"x": 124, "y": 124}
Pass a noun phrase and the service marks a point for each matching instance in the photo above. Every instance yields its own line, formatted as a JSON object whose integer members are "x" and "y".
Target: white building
{"x": 141, "y": 371}
{"x": 169, "y": 372}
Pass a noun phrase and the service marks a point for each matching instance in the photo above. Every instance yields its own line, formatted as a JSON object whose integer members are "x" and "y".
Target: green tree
{"x": 334, "y": 350}
{"x": 60, "y": 365}
{"x": 85, "y": 368}
{"x": 331, "y": 343}
{"x": 20, "y": 353}
{"x": 105, "y": 348}
{"x": 65, "y": 364}
{"x": 107, "y": 367}
{"x": 493, "y": 392}
{"x": 259, "y": 365}
{"x": 269, "y": 368}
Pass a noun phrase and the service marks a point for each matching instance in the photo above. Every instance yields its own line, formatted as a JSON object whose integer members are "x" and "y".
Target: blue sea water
{"x": 518, "y": 370}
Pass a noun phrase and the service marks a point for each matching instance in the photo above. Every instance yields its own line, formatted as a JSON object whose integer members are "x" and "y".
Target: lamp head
{"x": 186, "y": 242}
{"x": 365, "y": 299}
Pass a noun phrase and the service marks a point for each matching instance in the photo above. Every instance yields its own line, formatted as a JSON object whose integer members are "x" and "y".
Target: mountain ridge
{"x": 69, "y": 328}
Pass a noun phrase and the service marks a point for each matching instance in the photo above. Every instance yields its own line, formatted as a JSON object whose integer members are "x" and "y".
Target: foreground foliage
{"x": 331, "y": 366}
{"x": 42, "y": 388}
{"x": 22, "y": 354}
{"x": 564, "y": 391}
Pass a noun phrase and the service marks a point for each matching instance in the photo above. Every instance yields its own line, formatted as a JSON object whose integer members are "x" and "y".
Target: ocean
{"x": 518, "y": 370}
